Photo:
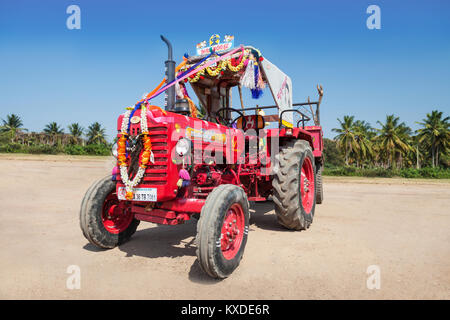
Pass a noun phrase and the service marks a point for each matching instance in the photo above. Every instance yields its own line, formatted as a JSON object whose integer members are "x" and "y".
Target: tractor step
{"x": 159, "y": 216}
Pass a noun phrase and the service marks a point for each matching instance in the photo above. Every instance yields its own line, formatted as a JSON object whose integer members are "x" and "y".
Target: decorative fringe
{"x": 192, "y": 108}
{"x": 184, "y": 174}
{"x": 261, "y": 84}
{"x": 183, "y": 88}
{"x": 178, "y": 91}
{"x": 248, "y": 79}
{"x": 257, "y": 90}
{"x": 252, "y": 77}
{"x": 256, "y": 93}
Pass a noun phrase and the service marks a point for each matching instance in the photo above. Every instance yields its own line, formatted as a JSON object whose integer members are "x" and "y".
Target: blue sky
{"x": 51, "y": 73}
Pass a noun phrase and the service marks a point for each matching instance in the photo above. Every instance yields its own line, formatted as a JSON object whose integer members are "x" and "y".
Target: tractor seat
{"x": 254, "y": 122}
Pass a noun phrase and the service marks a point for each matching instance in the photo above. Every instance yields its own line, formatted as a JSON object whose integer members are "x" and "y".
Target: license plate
{"x": 139, "y": 194}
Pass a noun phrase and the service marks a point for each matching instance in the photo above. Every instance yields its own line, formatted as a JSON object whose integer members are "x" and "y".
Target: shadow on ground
{"x": 162, "y": 241}
{"x": 90, "y": 247}
{"x": 168, "y": 241}
{"x": 177, "y": 241}
{"x": 263, "y": 217}
{"x": 197, "y": 275}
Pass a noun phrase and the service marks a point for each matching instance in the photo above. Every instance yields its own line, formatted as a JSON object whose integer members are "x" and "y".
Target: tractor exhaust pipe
{"x": 169, "y": 103}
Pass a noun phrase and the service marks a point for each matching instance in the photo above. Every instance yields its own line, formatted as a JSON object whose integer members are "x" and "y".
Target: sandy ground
{"x": 402, "y": 226}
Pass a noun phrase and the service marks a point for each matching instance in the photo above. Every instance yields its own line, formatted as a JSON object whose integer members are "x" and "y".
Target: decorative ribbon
{"x": 195, "y": 65}
{"x": 184, "y": 75}
{"x": 181, "y": 65}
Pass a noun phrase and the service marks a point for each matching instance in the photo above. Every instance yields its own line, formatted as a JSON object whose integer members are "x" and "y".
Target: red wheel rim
{"x": 232, "y": 231}
{"x": 116, "y": 217}
{"x": 307, "y": 185}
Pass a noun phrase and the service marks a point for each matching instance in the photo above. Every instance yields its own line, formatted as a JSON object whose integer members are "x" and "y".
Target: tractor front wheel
{"x": 222, "y": 230}
{"x": 105, "y": 221}
{"x": 294, "y": 193}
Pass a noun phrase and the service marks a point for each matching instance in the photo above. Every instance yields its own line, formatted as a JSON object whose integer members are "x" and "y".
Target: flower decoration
{"x": 214, "y": 71}
{"x": 145, "y": 157}
{"x": 233, "y": 64}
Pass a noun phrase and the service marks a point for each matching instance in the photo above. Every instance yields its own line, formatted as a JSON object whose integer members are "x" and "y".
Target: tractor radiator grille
{"x": 156, "y": 173}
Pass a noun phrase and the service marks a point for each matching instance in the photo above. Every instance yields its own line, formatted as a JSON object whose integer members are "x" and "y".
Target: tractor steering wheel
{"x": 221, "y": 119}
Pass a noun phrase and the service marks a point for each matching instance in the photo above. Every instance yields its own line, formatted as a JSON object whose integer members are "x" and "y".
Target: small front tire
{"x": 105, "y": 221}
{"x": 222, "y": 230}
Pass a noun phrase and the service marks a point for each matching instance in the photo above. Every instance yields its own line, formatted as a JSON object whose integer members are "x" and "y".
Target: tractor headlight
{"x": 182, "y": 147}
{"x": 114, "y": 150}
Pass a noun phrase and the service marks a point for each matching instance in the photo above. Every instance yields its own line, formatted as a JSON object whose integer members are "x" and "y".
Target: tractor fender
{"x": 297, "y": 134}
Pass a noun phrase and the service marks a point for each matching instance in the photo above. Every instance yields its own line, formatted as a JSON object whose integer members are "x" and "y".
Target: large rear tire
{"x": 294, "y": 184}
{"x": 222, "y": 230}
{"x": 319, "y": 184}
{"x": 105, "y": 221}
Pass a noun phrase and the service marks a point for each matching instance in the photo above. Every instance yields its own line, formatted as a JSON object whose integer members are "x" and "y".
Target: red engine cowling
{"x": 165, "y": 129}
{"x": 207, "y": 176}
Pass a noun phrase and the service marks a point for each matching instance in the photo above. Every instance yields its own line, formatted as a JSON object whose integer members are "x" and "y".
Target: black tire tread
{"x": 90, "y": 217}
{"x": 206, "y": 227}
{"x": 285, "y": 184}
{"x": 319, "y": 185}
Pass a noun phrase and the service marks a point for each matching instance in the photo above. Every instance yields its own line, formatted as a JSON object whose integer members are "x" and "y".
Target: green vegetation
{"x": 96, "y": 134}
{"x": 427, "y": 172}
{"x": 52, "y": 140}
{"x": 391, "y": 150}
{"x": 76, "y": 131}
{"x": 358, "y": 149}
{"x": 53, "y": 129}
{"x": 436, "y": 135}
{"x": 11, "y": 126}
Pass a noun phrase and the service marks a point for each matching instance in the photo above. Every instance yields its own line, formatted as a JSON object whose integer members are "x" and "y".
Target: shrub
{"x": 410, "y": 173}
{"x": 91, "y": 149}
{"x": 11, "y": 147}
{"x": 98, "y": 149}
{"x": 75, "y": 149}
{"x": 331, "y": 154}
{"x": 435, "y": 173}
{"x": 41, "y": 149}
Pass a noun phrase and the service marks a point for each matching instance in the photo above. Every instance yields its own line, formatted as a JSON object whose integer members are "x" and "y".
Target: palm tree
{"x": 53, "y": 128}
{"x": 346, "y": 139}
{"x": 76, "y": 131}
{"x": 12, "y": 125}
{"x": 363, "y": 135}
{"x": 417, "y": 154}
{"x": 96, "y": 134}
{"x": 393, "y": 139}
{"x": 435, "y": 134}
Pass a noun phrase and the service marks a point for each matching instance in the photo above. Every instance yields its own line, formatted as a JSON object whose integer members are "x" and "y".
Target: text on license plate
{"x": 139, "y": 194}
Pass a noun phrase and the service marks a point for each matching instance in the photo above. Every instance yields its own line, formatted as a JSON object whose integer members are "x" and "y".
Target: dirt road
{"x": 401, "y": 226}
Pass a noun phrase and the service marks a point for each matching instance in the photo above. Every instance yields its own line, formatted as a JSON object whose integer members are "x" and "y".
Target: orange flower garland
{"x": 146, "y": 154}
{"x": 144, "y": 158}
{"x": 121, "y": 150}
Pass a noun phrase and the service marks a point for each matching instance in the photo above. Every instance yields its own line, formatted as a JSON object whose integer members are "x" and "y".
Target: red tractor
{"x": 207, "y": 161}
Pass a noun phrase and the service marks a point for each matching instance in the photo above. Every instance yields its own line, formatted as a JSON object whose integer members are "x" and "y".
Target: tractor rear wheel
{"x": 105, "y": 221}
{"x": 319, "y": 184}
{"x": 222, "y": 230}
{"x": 294, "y": 183}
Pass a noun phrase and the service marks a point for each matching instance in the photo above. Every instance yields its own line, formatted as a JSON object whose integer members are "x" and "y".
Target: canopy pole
{"x": 240, "y": 97}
